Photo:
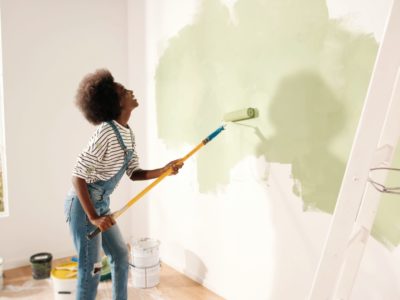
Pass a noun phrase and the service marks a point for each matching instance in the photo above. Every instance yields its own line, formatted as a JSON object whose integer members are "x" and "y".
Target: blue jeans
{"x": 89, "y": 266}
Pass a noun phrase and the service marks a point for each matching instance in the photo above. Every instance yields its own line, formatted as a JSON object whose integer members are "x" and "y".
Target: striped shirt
{"x": 103, "y": 157}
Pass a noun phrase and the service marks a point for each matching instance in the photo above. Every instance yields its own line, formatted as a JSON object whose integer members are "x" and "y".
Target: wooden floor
{"x": 18, "y": 284}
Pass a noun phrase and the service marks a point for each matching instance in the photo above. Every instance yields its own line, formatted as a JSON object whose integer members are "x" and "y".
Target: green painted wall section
{"x": 307, "y": 75}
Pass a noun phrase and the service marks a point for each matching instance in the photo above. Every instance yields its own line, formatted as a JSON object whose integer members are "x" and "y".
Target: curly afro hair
{"x": 97, "y": 97}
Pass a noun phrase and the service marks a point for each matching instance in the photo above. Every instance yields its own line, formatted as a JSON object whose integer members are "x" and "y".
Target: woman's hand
{"x": 140, "y": 174}
{"x": 103, "y": 222}
{"x": 175, "y": 165}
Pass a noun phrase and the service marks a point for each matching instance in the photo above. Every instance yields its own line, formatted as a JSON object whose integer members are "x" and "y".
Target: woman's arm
{"x": 82, "y": 192}
{"x": 151, "y": 174}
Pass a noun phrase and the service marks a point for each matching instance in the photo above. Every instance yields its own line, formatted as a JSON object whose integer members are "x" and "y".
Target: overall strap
{"x": 119, "y": 137}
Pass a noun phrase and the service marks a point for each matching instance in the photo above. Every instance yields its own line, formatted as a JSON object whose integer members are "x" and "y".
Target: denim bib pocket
{"x": 96, "y": 195}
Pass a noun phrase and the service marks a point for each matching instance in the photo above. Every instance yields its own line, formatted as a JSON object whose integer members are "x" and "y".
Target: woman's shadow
{"x": 307, "y": 116}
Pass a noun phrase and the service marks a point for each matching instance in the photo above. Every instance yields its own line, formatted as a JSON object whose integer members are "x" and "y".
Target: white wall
{"x": 48, "y": 46}
{"x": 250, "y": 239}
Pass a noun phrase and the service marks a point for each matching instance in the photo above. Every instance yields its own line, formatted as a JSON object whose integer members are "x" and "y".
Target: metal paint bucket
{"x": 145, "y": 252}
{"x": 145, "y": 262}
{"x": 147, "y": 277}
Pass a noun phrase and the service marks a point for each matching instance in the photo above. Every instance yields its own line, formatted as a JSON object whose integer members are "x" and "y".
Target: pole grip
{"x": 95, "y": 232}
{"x": 213, "y": 135}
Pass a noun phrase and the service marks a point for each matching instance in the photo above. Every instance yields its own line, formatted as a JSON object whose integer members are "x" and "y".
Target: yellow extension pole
{"x": 154, "y": 183}
{"x": 158, "y": 180}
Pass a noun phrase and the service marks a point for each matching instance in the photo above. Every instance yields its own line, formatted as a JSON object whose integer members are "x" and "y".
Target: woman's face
{"x": 128, "y": 100}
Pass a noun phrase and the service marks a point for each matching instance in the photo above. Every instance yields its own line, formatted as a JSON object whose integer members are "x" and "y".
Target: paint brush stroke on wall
{"x": 307, "y": 74}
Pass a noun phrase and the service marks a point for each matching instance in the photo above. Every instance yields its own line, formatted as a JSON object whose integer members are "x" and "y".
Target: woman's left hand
{"x": 175, "y": 165}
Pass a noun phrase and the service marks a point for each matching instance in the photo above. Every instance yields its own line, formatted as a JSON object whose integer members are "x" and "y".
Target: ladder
{"x": 374, "y": 145}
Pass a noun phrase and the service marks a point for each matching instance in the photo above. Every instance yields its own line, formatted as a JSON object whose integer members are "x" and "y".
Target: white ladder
{"x": 376, "y": 139}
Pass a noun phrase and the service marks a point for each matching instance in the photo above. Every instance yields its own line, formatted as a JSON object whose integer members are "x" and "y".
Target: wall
{"x": 48, "y": 46}
{"x": 247, "y": 217}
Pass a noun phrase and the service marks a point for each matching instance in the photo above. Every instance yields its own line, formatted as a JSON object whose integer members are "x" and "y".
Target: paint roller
{"x": 235, "y": 116}
{"x": 240, "y": 115}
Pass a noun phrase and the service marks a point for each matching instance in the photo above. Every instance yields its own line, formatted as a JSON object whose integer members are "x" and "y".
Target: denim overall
{"x": 111, "y": 240}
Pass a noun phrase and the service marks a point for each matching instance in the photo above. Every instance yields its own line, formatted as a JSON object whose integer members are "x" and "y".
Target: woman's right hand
{"x": 103, "y": 222}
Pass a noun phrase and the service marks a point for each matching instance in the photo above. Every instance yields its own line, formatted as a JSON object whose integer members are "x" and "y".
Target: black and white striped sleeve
{"x": 88, "y": 161}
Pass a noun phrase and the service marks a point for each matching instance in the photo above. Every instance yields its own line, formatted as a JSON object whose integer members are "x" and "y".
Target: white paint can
{"x": 145, "y": 252}
{"x": 147, "y": 277}
{"x": 145, "y": 262}
{"x": 64, "y": 278}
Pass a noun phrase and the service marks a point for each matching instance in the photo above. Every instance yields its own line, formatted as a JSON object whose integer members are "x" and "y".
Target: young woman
{"x": 109, "y": 154}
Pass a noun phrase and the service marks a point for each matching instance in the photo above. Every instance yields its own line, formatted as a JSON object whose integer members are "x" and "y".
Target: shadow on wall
{"x": 194, "y": 266}
{"x": 306, "y": 116}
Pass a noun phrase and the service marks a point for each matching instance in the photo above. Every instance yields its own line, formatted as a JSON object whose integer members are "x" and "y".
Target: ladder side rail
{"x": 370, "y": 202}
